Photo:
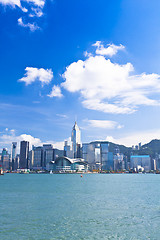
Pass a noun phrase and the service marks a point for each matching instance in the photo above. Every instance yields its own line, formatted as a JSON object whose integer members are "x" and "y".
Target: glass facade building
{"x": 24, "y": 154}
{"x": 5, "y": 159}
{"x": 13, "y": 155}
{"x": 75, "y": 138}
{"x": 67, "y": 164}
{"x": 97, "y": 155}
{"x": 37, "y": 157}
{"x": 140, "y": 160}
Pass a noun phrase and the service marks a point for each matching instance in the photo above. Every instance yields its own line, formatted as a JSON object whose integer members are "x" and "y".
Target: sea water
{"x": 66, "y": 206}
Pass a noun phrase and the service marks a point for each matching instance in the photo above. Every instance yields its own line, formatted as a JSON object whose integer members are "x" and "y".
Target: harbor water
{"x": 67, "y": 206}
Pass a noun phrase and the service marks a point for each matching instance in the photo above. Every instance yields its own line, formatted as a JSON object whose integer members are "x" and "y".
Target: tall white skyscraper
{"x": 76, "y": 139}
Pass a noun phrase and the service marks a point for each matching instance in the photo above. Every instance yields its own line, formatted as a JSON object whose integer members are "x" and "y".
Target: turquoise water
{"x": 97, "y": 206}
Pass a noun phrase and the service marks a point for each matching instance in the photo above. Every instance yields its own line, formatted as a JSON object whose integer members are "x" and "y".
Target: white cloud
{"x": 58, "y": 145}
{"x": 35, "y": 74}
{"x": 87, "y": 54}
{"x": 13, "y": 3}
{"x": 36, "y": 12}
{"x": 7, "y": 139}
{"x": 56, "y": 92}
{"x": 19, "y": 3}
{"x": 32, "y": 26}
{"x": 32, "y": 140}
{"x": 110, "y": 87}
{"x": 108, "y": 51}
{"x": 39, "y": 3}
{"x": 134, "y": 138}
{"x": 106, "y": 124}
{"x": 33, "y": 8}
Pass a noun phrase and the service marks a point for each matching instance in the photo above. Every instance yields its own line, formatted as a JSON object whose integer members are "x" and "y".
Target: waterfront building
{"x": 16, "y": 163}
{"x": 5, "y": 159}
{"x": 119, "y": 163}
{"x": 85, "y": 147}
{"x": 88, "y": 154}
{"x": 65, "y": 164}
{"x": 108, "y": 164}
{"x": 139, "y": 169}
{"x": 97, "y": 155}
{"x": 79, "y": 151}
{"x": 157, "y": 158}
{"x": 126, "y": 163}
{"x": 37, "y": 158}
{"x": 48, "y": 154}
{"x": 141, "y": 160}
{"x": 76, "y": 139}
{"x": 58, "y": 153}
{"x": 24, "y": 154}
{"x": 31, "y": 158}
{"x": 68, "y": 152}
{"x": 116, "y": 150}
{"x": 106, "y": 157}
{"x": 13, "y": 155}
{"x": 153, "y": 164}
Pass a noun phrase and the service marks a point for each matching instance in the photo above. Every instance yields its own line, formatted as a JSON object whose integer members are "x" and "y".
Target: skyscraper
{"x": 5, "y": 159}
{"x": 48, "y": 154}
{"x": 24, "y": 154}
{"x": 76, "y": 139}
{"x": 13, "y": 154}
{"x": 37, "y": 160}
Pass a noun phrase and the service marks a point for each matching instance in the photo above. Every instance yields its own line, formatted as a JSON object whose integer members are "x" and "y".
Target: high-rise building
{"x": 13, "y": 155}
{"x": 76, "y": 139}
{"x": 97, "y": 155}
{"x": 37, "y": 157}
{"x": 139, "y": 145}
{"x": 68, "y": 150}
{"x": 5, "y": 159}
{"x": 16, "y": 164}
{"x": 119, "y": 163}
{"x": 48, "y": 154}
{"x": 24, "y": 154}
{"x": 85, "y": 147}
{"x": 140, "y": 160}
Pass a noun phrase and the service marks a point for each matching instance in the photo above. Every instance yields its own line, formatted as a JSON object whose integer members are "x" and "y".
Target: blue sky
{"x": 97, "y": 61}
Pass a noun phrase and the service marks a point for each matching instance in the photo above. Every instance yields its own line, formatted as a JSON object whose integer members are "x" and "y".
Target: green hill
{"x": 152, "y": 148}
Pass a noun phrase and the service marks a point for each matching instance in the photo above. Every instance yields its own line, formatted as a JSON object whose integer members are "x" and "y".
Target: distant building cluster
{"x": 76, "y": 156}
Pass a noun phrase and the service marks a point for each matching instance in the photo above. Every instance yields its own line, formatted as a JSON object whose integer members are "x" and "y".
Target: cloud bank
{"x": 133, "y": 138}
{"x": 110, "y": 87}
{"x": 9, "y": 136}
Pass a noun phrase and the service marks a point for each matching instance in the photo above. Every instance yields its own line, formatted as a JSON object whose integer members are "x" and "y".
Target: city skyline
{"x": 103, "y": 71}
{"x": 78, "y": 156}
